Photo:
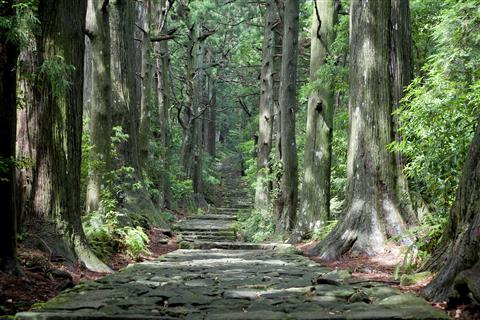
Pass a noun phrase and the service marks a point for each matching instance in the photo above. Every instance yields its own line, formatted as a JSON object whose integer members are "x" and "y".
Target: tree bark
{"x": 8, "y": 62}
{"x": 210, "y": 117}
{"x": 162, "y": 97}
{"x": 57, "y": 110}
{"x": 288, "y": 107}
{"x": 125, "y": 111}
{"x": 99, "y": 109}
{"x": 372, "y": 211}
{"x": 457, "y": 258}
{"x": 199, "y": 108}
{"x": 315, "y": 204}
{"x": 266, "y": 110}
{"x": 401, "y": 74}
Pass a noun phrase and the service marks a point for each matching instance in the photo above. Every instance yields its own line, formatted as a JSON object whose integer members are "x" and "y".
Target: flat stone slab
{"x": 231, "y": 284}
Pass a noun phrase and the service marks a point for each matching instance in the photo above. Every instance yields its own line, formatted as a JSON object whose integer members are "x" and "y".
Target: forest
{"x": 344, "y": 130}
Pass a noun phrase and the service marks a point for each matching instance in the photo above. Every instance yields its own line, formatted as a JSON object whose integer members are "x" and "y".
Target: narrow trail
{"x": 214, "y": 276}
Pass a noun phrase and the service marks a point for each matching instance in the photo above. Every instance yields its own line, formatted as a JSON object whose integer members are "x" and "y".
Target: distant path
{"x": 220, "y": 278}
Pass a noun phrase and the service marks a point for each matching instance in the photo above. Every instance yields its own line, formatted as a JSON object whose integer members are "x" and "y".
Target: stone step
{"x": 224, "y": 233}
{"x": 227, "y": 245}
{"x": 213, "y": 216}
{"x": 211, "y": 238}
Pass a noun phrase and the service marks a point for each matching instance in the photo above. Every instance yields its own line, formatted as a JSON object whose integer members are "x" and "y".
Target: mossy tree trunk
{"x": 288, "y": 107}
{"x": 8, "y": 108}
{"x": 126, "y": 113}
{"x": 209, "y": 124}
{"x": 372, "y": 208}
{"x": 99, "y": 109}
{"x": 276, "y": 157}
{"x": 457, "y": 258}
{"x": 266, "y": 110}
{"x": 198, "y": 107}
{"x": 57, "y": 110}
{"x": 162, "y": 100}
{"x": 315, "y": 204}
{"x": 401, "y": 74}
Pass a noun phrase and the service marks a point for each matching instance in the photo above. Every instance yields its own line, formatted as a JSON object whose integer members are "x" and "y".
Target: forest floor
{"x": 43, "y": 279}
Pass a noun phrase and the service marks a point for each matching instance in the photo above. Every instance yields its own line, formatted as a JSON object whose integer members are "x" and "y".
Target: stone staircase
{"x": 216, "y": 229}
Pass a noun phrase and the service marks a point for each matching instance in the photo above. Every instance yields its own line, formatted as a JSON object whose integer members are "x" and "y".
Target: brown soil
{"x": 42, "y": 279}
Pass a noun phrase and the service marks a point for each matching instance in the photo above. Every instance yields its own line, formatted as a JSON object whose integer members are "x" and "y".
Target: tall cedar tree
{"x": 288, "y": 107}
{"x": 57, "y": 110}
{"x": 8, "y": 61}
{"x": 315, "y": 205}
{"x": 266, "y": 106}
{"x": 372, "y": 210}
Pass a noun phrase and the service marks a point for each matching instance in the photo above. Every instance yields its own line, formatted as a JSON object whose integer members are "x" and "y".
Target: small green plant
{"x": 321, "y": 232}
{"x": 107, "y": 234}
{"x": 256, "y": 226}
{"x": 136, "y": 241}
{"x": 425, "y": 237}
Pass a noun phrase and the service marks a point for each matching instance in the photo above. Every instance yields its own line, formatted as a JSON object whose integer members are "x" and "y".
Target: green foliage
{"x": 106, "y": 231}
{"x": 247, "y": 149}
{"x": 19, "y": 28}
{"x": 338, "y": 177}
{"x": 321, "y": 232}
{"x": 256, "y": 226}
{"x": 426, "y": 237}
{"x": 441, "y": 106}
{"x": 7, "y": 163}
{"x": 57, "y": 72}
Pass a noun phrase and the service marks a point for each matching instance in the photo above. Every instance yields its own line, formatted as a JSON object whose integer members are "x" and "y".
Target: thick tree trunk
{"x": 99, "y": 104}
{"x": 277, "y": 127}
{"x": 372, "y": 212}
{"x": 401, "y": 74}
{"x": 211, "y": 125}
{"x": 458, "y": 256}
{"x": 315, "y": 205}
{"x": 163, "y": 101}
{"x": 265, "y": 113}
{"x": 8, "y": 107}
{"x": 125, "y": 111}
{"x": 143, "y": 53}
{"x": 199, "y": 108}
{"x": 288, "y": 107}
{"x": 57, "y": 111}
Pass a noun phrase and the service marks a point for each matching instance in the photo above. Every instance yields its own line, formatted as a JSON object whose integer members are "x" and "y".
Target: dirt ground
{"x": 42, "y": 279}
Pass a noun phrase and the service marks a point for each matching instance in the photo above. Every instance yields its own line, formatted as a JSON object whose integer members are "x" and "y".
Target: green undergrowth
{"x": 256, "y": 226}
{"x": 426, "y": 236}
{"x": 109, "y": 231}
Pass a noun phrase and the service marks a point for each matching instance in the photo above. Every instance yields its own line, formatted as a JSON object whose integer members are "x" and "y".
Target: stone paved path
{"x": 221, "y": 278}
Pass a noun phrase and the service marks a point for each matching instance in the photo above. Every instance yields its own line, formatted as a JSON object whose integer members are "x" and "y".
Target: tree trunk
{"x": 99, "y": 110}
{"x": 288, "y": 107}
{"x": 458, "y": 257}
{"x": 372, "y": 211}
{"x": 315, "y": 205}
{"x": 401, "y": 74}
{"x": 8, "y": 107}
{"x": 199, "y": 108}
{"x": 163, "y": 102}
{"x": 275, "y": 169}
{"x": 125, "y": 111}
{"x": 210, "y": 117}
{"x": 57, "y": 111}
{"x": 143, "y": 53}
{"x": 265, "y": 114}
